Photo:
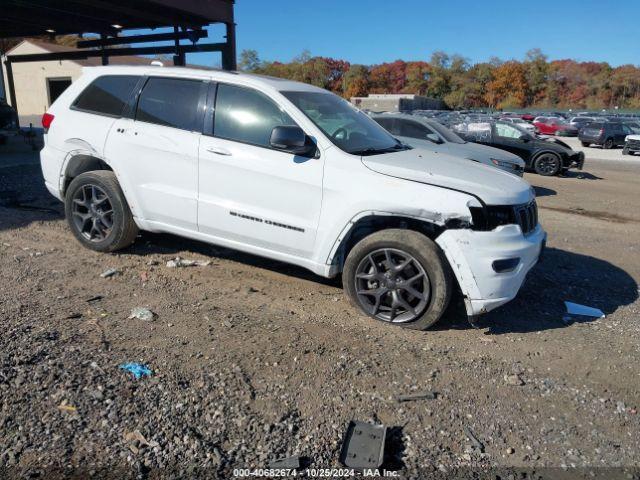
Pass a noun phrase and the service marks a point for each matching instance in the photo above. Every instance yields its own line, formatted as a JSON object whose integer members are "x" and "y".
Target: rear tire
{"x": 97, "y": 212}
{"x": 585, "y": 144}
{"x": 547, "y": 164}
{"x": 608, "y": 144}
{"x": 372, "y": 266}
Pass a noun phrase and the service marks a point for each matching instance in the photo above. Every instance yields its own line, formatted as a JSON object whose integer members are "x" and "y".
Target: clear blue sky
{"x": 374, "y": 31}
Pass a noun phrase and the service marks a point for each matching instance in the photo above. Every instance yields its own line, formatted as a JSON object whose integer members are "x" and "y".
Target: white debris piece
{"x": 181, "y": 262}
{"x": 142, "y": 313}
{"x": 110, "y": 273}
{"x": 577, "y": 309}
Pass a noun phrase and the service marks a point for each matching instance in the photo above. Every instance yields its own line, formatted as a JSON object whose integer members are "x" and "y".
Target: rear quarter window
{"x": 107, "y": 95}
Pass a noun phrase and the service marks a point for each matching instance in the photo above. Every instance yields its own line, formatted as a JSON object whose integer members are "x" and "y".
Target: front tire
{"x": 585, "y": 144}
{"x": 547, "y": 164}
{"x": 399, "y": 277}
{"x": 97, "y": 212}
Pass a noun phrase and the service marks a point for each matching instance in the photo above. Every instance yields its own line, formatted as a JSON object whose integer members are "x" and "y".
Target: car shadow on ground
{"x": 560, "y": 276}
{"x": 581, "y": 175}
{"x": 544, "y": 191}
{"x": 172, "y": 245}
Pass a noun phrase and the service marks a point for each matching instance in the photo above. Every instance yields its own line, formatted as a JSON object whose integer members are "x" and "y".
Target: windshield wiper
{"x": 375, "y": 151}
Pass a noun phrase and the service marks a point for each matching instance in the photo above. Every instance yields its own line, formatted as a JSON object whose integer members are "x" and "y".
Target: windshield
{"x": 447, "y": 134}
{"x": 348, "y": 128}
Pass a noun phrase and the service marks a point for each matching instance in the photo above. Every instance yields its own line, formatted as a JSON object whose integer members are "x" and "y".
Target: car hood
{"x": 469, "y": 150}
{"x": 632, "y": 137}
{"x": 559, "y": 145}
{"x": 475, "y": 151}
{"x": 493, "y": 186}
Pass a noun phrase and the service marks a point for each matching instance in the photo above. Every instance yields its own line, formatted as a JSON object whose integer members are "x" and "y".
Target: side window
{"x": 389, "y": 124}
{"x": 172, "y": 102}
{"x": 246, "y": 115}
{"x": 107, "y": 95}
{"x": 507, "y": 131}
{"x": 413, "y": 129}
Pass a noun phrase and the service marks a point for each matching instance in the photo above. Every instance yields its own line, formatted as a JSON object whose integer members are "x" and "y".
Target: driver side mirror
{"x": 433, "y": 138}
{"x": 524, "y": 138}
{"x": 290, "y": 139}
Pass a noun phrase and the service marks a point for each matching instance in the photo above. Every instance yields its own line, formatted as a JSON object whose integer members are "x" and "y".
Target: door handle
{"x": 218, "y": 150}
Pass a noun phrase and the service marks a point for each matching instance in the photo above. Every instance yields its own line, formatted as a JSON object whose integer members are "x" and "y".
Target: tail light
{"x": 601, "y": 132}
{"x": 47, "y": 120}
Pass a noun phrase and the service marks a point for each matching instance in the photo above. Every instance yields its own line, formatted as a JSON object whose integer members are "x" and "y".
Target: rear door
{"x": 157, "y": 150}
{"x": 93, "y": 112}
{"x": 249, "y": 192}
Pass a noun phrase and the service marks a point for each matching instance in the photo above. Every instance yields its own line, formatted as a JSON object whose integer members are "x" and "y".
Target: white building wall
{"x": 30, "y": 80}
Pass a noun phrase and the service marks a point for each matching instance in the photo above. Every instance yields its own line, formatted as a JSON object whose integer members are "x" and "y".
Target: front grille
{"x": 633, "y": 144}
{"x": 527, "y": 216}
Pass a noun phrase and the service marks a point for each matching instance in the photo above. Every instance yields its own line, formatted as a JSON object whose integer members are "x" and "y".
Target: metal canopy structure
{"x": 108, "y": 18}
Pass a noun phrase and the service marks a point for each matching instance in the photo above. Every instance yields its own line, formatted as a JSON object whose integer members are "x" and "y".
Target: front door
{"x": 507, "y": 137}
{"x": 157, "y": 152}
{"x": 249, "y": 192}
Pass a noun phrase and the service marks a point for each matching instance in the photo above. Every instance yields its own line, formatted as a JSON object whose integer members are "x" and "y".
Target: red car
{"x": 554, "y": 126}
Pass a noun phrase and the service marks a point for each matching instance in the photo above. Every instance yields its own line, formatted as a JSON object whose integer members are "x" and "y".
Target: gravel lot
{"x": 254, "y": 360}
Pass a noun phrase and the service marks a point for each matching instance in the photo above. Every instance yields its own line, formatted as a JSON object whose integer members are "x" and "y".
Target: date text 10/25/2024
{"x": 313, "y": 473}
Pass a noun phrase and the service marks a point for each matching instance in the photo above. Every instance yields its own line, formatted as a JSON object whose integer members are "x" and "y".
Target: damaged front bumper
{"x": 491, "y": 266}
{"x": 576, "y": 161}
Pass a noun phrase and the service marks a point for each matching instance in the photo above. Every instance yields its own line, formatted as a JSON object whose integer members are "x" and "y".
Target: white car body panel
{"x": 289, "y": 208}
{"x": 281, "y": 192}
{"x": 161, "y": 165}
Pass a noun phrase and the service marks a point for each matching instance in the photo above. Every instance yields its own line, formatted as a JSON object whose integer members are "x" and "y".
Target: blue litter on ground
{"x": 577, "y": 309}
{"x": 137, "y": 369}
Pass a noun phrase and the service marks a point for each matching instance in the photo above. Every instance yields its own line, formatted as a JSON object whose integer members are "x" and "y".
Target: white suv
{"x": 291, "y": 172}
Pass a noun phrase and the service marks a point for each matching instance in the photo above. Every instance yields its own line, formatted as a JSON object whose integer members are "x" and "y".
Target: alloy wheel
{"x": 92, "y": 212}
{"x": 392, "y": 286}
{"x": 547, "y": 164}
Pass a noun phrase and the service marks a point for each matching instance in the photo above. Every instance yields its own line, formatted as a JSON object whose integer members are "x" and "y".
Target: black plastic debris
{"x": 417, "y": 396}
{"x": 290, "y": 463}
{"x": 363, "y": 445}
{"x": 95, "y": 298}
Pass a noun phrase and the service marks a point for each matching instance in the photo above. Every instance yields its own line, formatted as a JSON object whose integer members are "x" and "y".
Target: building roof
{"x": 87, "y": 62}
{"x": 26, "y": 18}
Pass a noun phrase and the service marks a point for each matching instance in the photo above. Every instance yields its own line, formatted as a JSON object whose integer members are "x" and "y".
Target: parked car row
{"x": 421, "y": 132}
{"x": 543, "y": 155}
{"x": 593, "y": 129}
{"x": 508, "y": 143}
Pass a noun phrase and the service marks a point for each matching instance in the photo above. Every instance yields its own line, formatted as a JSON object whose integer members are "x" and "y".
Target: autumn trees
{"x": 534, "y": 82}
